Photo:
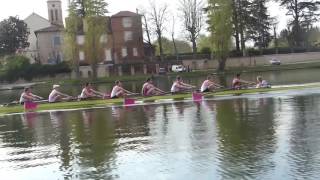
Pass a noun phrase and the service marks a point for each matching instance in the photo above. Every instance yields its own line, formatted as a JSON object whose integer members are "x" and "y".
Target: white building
{"x": 46, "y": 35}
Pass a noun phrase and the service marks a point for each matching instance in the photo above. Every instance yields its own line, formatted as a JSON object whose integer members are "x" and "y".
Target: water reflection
{"x": 250, "y": 138}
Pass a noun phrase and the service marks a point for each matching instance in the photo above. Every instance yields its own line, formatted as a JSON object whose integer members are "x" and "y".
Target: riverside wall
{"x": 203, "y": 64}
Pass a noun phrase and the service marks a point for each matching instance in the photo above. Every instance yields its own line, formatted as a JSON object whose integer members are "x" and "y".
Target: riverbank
{"x": 127, "y": 78}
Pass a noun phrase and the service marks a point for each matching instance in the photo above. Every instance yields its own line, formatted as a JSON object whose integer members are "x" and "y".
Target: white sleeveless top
{"x": 205, "y": 85}
{"x": 115, "y": 91}
{"x": 174, "y": 87}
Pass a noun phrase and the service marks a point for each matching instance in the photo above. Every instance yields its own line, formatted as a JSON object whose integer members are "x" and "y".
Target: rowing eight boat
{"x": 108, "y": 102}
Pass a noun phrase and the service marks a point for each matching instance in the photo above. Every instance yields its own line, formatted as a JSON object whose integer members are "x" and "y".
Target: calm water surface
{"x": 268, "y": 136}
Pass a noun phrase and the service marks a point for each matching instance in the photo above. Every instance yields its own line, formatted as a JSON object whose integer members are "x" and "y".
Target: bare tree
{"x": 146, "y": 27}
{"x": 158, "y": 18}
{"x": 192, "y": 16}
{"x": 173, "y": 38}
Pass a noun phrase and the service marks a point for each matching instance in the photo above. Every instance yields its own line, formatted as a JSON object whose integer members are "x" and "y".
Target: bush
{"x": 16, "y": 67}
{"x": 205, "y": 50}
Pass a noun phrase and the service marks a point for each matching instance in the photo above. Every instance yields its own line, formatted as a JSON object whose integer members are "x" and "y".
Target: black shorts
{"x": 206, "y": 90}
{"x": 114, "y": 97}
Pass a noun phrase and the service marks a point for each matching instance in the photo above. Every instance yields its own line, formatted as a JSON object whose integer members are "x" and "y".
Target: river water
{"x": 274, "y": 77}
{"x": 265, "y": 136}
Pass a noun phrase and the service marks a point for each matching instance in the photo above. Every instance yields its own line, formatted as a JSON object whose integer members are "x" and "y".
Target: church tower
{"x": 55, "y": 12}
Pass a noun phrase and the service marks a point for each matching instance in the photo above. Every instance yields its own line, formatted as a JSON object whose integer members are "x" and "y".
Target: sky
{"x": 23, "y": 8}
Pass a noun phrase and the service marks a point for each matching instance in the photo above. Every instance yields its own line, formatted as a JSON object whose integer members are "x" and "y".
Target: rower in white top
{"x": 179, "y": 86}
{"x": 261, "y": 83}
{"x": 209, "y": 85}
{"x": 56, "y": 95}
{"x": 118, "y": 91}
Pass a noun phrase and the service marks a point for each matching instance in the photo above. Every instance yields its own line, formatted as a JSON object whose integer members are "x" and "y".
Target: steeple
{"x": 55, "y": 12}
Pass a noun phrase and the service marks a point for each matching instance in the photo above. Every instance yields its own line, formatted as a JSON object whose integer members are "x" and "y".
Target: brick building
{"x": 122, "y": 42}
{"x": 128, "y": 37}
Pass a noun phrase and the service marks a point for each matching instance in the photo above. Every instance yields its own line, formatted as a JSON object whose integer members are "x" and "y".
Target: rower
{"x": 179, "y": 86}
{"x": 148, "y": 89}
{"x": 56, "y": 95}
{"x": 261, "y": 83}
{"x": 88, "y": 92}
{"x": 27, "y": 96}
{"x": 209, "y": 85}
{"x": 118, "y": 91}
{"x": 237, "y": 82}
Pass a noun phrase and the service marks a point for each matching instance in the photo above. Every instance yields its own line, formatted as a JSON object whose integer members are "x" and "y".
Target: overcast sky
{"x": 23, "y": 8}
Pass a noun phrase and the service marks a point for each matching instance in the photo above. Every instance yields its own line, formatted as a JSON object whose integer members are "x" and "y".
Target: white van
{"x": 178, "y": 68}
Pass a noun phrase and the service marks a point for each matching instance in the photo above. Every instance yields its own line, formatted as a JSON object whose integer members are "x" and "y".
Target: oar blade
{"x": 30, "y": 106}
{"x": 129, "y": 101}
{"x": 197, "y": 96}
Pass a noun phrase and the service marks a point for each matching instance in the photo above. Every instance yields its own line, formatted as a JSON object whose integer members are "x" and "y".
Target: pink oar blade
{"x": 197, "y": 96}
{"x": 30, "y": 106}
{"x": 129, "y": 101}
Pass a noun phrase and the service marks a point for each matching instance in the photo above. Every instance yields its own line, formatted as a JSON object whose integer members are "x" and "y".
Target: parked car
{"x": 178, "y": 68}
{"x": 275, "y": 62}
{"x": 162, "y": 71}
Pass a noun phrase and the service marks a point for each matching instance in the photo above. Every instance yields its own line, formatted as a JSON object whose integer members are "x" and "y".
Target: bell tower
{"x": 55, "y": 12}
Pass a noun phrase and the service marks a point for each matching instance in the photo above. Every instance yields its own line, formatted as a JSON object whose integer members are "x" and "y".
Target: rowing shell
{"x": 109, "y": 102}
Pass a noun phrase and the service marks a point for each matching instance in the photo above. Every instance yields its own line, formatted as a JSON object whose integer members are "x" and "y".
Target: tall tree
{"x": 89, "y": 7}
{"x": 158, "y": 17}
{"x": 174, "y": 39}
{"x": 192, "y": 16}
{"x": 220, "y": 26}
{"x": 240, "y": 18}
{"x": 14, "y": 35}
{"x": 95, "y": 27}
{"x": 303, "y": 13}
{"x": 259, "y": 24}
{"x": 73, "y": 26}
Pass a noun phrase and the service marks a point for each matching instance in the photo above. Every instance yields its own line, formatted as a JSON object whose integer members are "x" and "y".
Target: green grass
{"x": 104, "y": 103}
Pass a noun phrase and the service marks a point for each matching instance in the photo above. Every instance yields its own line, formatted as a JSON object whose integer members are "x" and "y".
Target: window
{"x": 56, "y": 41}
{"x": 128, "y": 36}
{"x": 52, "y": 15}
{"x": 80, "y": 40}
{"x": 108, "y": 55}
{"x": 127, "y": 22}
{"x": 81, "y": 56}
{"x": 124, "y": 52}
{"x": 56, "y": 14}
{"x": 104, "y": 38}
{"x": 135, "y": 52}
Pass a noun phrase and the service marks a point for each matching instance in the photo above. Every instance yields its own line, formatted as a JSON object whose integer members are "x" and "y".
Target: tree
{"x": 86, "y": 17}
{"x": 72, "y": 28}
{"x": 205, "y": 44}
{"x": 84, "y": 8}
{"x": 259, "y": 25}
{"x": 158, "y": 17}
{"x": 173, "y": 38}
{"x": 241, "y": 14}
{"x": 220, "y": 26}
{"x": 192, "y": 16}
{"x": 14, "y": 35}
{"x": 303, "y": 15}
{"x": 95, "y": 27}
{"x": 168, "y": 46}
